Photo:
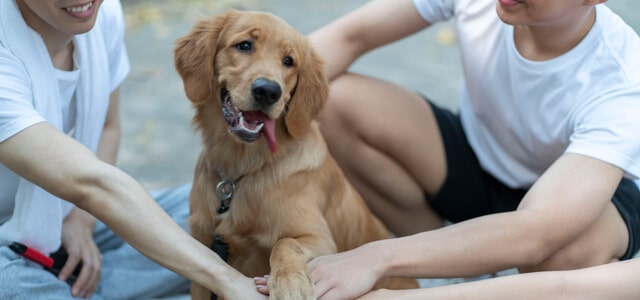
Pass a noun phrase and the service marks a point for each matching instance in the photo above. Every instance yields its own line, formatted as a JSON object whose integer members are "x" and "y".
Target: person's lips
{"x": 509, "y": 3}
{"x": 82, "y": 10}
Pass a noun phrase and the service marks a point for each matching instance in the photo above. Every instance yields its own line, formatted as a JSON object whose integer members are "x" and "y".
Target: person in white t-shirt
{"x": 61, "y": 65}
{"x": 537, "y": 171}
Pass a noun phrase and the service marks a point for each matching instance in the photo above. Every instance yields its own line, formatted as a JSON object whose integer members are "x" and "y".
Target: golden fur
{"x": 292, "y": 202}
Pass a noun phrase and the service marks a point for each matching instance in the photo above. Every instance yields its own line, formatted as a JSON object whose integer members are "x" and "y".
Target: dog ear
{"x": 194, "y": 56}
{"x": 310, "y": 94}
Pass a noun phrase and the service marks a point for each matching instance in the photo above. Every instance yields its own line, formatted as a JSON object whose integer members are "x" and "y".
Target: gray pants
{"x": 126, "y": 274}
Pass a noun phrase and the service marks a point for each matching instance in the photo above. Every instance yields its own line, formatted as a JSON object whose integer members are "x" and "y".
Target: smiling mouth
{"x": 79, "y": 9}
{"x": 248, "y": 125}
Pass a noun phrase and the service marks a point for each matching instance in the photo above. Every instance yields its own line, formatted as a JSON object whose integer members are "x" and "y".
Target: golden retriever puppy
{"x": 266, "y": 190}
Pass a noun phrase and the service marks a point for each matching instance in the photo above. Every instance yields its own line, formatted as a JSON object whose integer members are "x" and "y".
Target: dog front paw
{"x": 293, "y": 286}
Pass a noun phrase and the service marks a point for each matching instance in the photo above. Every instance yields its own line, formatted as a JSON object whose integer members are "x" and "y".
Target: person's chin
{"x": 81, "y": 29}
{"x": 88, "y": 27}
{"x": 507, "y": 17}
{"x": 82, "y": 22}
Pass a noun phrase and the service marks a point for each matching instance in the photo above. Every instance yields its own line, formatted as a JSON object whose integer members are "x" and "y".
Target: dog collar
{"x": 225, "y": 190}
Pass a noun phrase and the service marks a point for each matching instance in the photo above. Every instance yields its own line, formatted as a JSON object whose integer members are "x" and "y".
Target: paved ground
{"x": 159, "y": 146}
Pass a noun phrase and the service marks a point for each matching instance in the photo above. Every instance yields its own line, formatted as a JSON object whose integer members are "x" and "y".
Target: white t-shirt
{"x": 521, "y": 115}
{"x": 68, "y": 82}
{"x": 16, "y": 100}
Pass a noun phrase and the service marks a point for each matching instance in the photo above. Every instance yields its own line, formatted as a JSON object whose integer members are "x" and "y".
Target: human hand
{"x": 345, "y": 275}
{"x": 77, "y": 239}
{"x": 261, "y": 284}
{"x": 246, "y": 288}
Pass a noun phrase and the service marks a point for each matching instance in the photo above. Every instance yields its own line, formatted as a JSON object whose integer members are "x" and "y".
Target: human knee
{"x": 334, "y": 119}
{"x": 340, "y": 96}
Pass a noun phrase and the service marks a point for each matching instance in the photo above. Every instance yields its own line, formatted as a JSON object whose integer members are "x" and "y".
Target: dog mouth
{"x": 248, "y": 125}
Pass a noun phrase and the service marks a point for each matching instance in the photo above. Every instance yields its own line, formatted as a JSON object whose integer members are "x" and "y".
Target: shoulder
{"x": 12, "y": 70}
{"x": 16, "y": 107}
{"x": 620, "y": 42}
{"x": 436, "y": 10}
{"x": 440, "y": 10}
{"x": 111, "y": 12}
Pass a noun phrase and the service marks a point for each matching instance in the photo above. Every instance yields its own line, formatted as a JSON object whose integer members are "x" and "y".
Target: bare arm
{"x": 110, "y": 139}
{"x": 527, "y": 236}
{"x": 78, "y": 226}
{"x": 610, "y": 281}
{"x": 70, "y": 171}
{"x": 377, "y": 23}
{"x": 539, "y": 227}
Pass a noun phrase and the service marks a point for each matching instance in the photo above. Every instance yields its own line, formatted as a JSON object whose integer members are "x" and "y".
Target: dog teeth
{"x": 255, "y": 130}
{"x": 80, "y": 9}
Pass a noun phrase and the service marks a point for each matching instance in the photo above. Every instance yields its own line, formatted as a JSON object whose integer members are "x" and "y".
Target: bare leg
{"x": 388, "y": 143}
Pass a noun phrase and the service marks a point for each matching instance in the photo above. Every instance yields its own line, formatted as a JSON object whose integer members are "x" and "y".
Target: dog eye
{"x": 244, "y": 46}
{"x": 288, "y": 61}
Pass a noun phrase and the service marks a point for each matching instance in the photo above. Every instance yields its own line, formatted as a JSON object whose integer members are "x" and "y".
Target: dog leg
{"x": 289, "y": 279}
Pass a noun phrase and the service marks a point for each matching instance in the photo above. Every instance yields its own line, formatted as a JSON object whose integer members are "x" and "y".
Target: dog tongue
{"x": 268, "y": 129}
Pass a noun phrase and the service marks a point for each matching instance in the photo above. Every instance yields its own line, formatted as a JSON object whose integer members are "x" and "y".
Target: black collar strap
{"x": 222, "y": 249}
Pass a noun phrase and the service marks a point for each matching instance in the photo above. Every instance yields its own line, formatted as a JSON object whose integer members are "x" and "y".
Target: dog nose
{"x": 265, "y": 92}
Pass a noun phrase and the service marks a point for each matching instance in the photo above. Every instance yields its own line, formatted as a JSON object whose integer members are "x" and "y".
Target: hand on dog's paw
{"x": 292, "y": 286}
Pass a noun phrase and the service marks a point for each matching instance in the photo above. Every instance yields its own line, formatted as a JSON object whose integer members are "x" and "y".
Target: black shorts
{"x": 469, "y": 191}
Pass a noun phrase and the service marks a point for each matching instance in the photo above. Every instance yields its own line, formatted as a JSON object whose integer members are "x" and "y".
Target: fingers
{"x": 263, "y": 290}
{"x": 261, "y": 284}
{"x": 324, "y": 290}
{"x": 329, "y": 295}
{"x": 87, "y": 281}
{"x": 77, "y": 239}
{"x": 69, "y": 266}
{"x": 331, "y": 282}
{"x": 261, "y": 280}
{"x": 321, "y": 286}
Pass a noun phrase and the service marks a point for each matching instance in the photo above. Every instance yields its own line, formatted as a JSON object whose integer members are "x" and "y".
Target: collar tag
{"x": 224, "y": 191}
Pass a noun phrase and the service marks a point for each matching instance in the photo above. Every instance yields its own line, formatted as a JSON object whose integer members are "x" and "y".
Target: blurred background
{"x": 160, "y": 147}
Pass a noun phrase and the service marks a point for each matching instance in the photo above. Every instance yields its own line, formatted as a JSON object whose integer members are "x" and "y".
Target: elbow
{"x": 537, "y": 250}
{"x": 93, "y": 189}
{"x": 546, "y": 252}
{"x": 539, "y": 245}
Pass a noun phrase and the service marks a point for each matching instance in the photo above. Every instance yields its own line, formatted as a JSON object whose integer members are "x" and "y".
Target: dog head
{"x": 256, "y": 72}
